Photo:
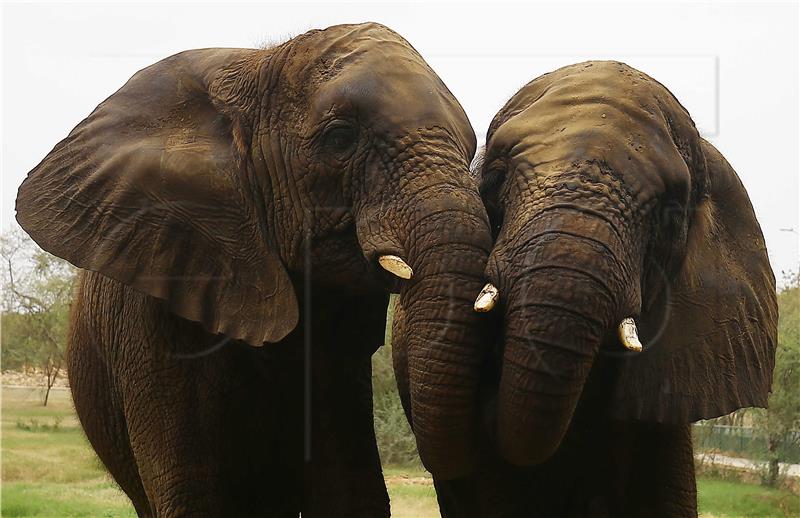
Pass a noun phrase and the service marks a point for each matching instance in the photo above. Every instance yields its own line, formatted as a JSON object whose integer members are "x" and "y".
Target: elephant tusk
{"x": 396, "y": 266}
{"x": 486, "y": 299}
{"x": 629, "y": 336}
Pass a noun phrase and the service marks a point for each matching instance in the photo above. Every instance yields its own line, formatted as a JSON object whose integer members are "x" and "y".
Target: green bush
{"x": 396, "y": 443}
{"x": 33, "y": 425}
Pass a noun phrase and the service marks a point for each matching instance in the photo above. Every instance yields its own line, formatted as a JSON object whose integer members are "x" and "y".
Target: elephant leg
{"x": 621, "y": 468}
{"x": 602, "y": 469}
{"x": 662, "y": 479}
{"x": 100, "y": 413}
{"x": 635, "y": 469}
{"x": 343, "y": 469}
{"x": 494, "y": 490}
{"x": 213, "y": 436}
{"x": 186, "y": 424}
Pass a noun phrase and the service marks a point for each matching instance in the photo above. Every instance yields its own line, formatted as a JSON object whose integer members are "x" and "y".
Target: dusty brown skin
{"x": 606, "y": 204}
{"x": 224, "y": 198}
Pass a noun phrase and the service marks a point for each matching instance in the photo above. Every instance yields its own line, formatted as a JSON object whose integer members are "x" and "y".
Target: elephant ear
{"x": 710, "y": 345}
{"x": 155, "y": 189}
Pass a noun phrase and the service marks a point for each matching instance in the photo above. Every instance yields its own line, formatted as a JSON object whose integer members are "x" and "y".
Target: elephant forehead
{"x": 369, "y": 72}
{"x": 391, "y": 92}
{"x": 604, "y": 112}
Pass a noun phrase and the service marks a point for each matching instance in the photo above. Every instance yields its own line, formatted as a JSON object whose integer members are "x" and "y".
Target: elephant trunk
{"x": 567, "y": 281}
{"x": 442, "y": 339}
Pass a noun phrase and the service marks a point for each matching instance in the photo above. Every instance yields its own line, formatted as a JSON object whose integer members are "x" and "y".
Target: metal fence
{"x": 747, "y": 441}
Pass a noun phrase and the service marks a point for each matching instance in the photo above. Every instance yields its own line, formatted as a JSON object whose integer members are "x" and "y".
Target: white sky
{"x": 734, "y": 66}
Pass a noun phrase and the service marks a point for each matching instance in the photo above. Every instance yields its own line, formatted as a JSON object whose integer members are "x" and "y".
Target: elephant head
{"x": 610, "y": 213}
{"x": 213, "y": 178}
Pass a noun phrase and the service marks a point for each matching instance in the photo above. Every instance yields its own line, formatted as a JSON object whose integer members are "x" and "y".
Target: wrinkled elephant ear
{"x": 710, "y": 348}
{"x": 154, "y": 189}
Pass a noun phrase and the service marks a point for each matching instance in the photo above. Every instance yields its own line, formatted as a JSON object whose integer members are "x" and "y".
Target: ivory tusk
{"x": 629, "y": 336}
{"x": 396, "y": 266}
{"x": 486, "y": 299}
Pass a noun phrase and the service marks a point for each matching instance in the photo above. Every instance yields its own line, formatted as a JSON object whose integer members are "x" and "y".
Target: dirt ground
{"x": 32, "y": 378}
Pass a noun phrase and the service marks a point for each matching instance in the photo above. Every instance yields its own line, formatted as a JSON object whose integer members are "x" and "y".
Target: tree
{"x": 35, "y": 307}
{"x": 781, "y": 421}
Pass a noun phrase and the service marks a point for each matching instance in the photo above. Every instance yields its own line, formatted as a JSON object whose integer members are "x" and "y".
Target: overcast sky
{"x": 734, "y": 66}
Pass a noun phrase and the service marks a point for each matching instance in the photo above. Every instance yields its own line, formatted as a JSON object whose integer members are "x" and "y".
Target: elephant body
{"x": 232, "y": 210}
{"x": 190, "y": 423}
{"x": 609, "y": 213}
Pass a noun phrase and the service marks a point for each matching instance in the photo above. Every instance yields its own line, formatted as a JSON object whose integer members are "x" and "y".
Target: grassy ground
{"x": 49, "y": 470}
{"x": 411, "y": 493}
{"x": 726, "y": 498}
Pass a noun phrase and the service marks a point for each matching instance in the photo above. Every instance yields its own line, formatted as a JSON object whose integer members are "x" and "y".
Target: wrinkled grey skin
{"x": 605, "y": 203}
{"x": 224, "y": 198}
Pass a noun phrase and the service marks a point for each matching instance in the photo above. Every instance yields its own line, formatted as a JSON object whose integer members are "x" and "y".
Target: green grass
{"x": 48, "y": 467}
{"x": 49, "y": 470}
{"x": 80, "y": 499}
{"x": 726, "y": 498}
{"x": 411, "y": 492}
{"x": 413, "y": 500}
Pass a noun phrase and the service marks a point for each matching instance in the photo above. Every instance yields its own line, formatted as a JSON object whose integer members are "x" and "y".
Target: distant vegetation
{"x": 35, "y": 308}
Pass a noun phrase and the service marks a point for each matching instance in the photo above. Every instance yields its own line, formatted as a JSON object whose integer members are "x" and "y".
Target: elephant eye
{"x": 340, "y": 138}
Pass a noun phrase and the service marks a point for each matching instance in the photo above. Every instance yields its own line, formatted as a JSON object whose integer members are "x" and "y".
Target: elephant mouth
{"x": 336, "y": 258}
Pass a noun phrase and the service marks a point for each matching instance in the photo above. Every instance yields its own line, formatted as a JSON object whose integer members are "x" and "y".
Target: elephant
{"x": 633, "y": 295}
{"x": 240, "y": 217}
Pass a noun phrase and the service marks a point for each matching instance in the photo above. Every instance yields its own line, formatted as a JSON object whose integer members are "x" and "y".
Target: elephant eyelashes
{"x": 340, "y": 138}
